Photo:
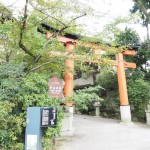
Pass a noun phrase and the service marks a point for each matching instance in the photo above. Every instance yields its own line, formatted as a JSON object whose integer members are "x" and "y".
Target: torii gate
{"x": 119, "y": 63}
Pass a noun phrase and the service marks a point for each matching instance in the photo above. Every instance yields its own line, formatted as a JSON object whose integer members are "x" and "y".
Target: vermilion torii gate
{"x": 119, "y": 63}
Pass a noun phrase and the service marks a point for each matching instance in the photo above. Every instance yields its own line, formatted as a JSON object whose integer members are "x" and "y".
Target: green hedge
{"x": 17, "y": 92}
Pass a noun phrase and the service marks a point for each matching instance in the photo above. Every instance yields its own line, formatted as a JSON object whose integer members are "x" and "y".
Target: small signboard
{"x": 48, "y": 117}
{"x": 56, "y": 87}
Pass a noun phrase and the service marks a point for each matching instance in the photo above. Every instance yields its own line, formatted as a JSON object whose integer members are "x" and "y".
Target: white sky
{"x": 110, "y": 9}
{"x": 113, "y": 9}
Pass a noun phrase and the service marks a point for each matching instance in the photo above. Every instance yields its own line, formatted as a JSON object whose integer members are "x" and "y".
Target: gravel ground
{"x": 92, "y": 133}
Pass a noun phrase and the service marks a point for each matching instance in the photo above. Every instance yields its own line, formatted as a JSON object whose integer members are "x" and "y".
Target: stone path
{"x": 93, "y": 133}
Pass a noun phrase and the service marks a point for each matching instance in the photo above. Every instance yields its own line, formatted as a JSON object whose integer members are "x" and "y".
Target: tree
{"x": 84, "y": 98}
{"x": 142, "y": 61}
{"x": 30, "y": 45}
{"x": 143, "y": 6}
{"x": 128, "y": 37}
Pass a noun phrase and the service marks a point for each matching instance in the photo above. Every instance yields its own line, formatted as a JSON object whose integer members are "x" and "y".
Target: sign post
{"x": 48, "y": 117}
{"x": 33, "y": 134}
{"x": 37, "y": 118}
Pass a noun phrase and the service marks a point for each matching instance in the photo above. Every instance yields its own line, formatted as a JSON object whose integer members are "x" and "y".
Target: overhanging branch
{"x": 46, "y": 63}
{"x": 26, "y": 50}
{"x": 47, "y": 15}
{"x": 21, "y": 45}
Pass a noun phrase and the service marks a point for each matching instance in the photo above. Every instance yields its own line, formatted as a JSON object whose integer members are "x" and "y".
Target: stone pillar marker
{"x": 97, "y": 105}
{"x": 148, "y": 115}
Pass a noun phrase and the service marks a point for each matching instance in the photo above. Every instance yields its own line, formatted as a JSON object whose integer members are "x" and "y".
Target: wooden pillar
{"x": 68, "y": 88}
{"x": 122, "y": 80}
{"x": 125, "y": 111}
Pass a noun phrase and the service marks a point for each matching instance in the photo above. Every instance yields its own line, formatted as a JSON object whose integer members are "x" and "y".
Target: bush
{"x": 139, "y": 97}
{"x": 110, "y": 108}
{"x": 11, "y": 126}
{"x": 17, "y": 92}
{"x": 108, "y": 80}
{"x": 84, "y": 98}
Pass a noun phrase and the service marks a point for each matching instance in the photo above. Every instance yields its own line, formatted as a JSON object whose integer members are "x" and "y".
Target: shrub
{"x": 139, "y": 97}
{"x": 108, "y": 80}
{"x": 17, "y": 92}
{"x": 84, "y": 98}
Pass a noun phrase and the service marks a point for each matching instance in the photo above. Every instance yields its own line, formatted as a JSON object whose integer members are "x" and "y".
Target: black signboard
{"x": 48, "y": 117}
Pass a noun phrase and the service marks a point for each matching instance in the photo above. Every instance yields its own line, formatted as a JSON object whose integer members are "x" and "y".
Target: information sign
{"x": 48, "y": 117}
{"x": 56, "y": 87}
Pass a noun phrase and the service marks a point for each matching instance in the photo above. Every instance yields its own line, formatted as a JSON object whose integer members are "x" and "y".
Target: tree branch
{"x": 26, "y": 50}
{"x": 47, "y": 15}
{"x": 21, "y": 45}
{"x": 41, "y": 65}
{"x": 77, "y": 17}
{"x": 141, "y": 6}
{"x": 6, "y": 8}
{"x": 13, "y": 3}
{"x": 8, "y": 54}
{"x": 147, "y": 15}
{"x": 65, "y": 25}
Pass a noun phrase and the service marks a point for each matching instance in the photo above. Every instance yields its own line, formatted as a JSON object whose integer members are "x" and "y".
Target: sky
{"x": 109, "y": 9}
{"x": 113, "y": 9}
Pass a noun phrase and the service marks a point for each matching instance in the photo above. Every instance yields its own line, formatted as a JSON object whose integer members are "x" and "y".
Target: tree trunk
{"x": 148, "y": 38}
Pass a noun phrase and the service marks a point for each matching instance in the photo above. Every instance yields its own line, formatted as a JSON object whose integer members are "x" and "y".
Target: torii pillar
{"x": 67, "y": 126}
{"x": 125, "y": 111}
{"x": 68, "y": 88}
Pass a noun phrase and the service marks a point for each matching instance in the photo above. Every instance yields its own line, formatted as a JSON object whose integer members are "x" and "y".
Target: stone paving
{"x": 92, "y": 133}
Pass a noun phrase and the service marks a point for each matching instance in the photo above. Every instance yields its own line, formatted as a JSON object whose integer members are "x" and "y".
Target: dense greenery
{"x": 85, "y": 98}
{"x": 18, "y": 92}
{"x": 108, "y": 80}
{"x": 127, "y": 37}
{"x": 139, "y": 97}
{"x": 138, "y": 93}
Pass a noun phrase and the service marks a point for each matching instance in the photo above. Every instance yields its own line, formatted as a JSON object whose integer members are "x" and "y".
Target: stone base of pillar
{"x": 125, "y": 113}
{"x": 67, "y": 125}
{"x": 97, "y": 110}
{"x": 148, "y": 117}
